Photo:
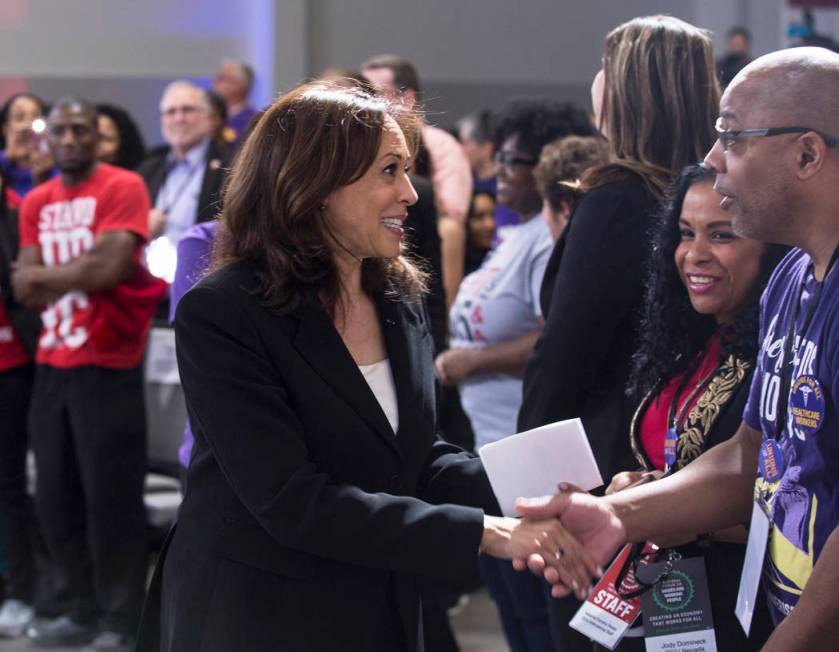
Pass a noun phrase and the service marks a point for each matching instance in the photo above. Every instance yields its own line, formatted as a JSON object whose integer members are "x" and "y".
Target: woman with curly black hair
{"x": 692, "y": 372}
{"x": 120, "y": 142}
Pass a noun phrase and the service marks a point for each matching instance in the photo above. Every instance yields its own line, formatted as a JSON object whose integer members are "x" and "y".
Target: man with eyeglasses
{"x": 777, "y": 170}
{"x": 184, "y": 177}
{"x": 81, "y": 236}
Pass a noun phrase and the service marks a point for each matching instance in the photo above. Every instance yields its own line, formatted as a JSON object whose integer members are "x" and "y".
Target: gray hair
{"x": 183, "y": 83}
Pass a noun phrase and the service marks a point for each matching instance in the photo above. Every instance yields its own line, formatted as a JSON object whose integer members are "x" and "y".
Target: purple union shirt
{"x": 804, "y": 502}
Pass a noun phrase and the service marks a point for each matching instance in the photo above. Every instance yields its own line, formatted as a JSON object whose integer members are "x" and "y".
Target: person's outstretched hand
{"x": 592, "y": 521}
{"x": 511, "y": 538}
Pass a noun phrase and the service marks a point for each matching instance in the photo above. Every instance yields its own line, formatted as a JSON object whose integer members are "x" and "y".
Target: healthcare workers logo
{"x": 807, "y": 406}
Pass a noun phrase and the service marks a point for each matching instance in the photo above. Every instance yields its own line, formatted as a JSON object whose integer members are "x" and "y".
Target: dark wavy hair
{"x": 7, "y": 107}
{"x": 312, "y": 141}
{"x": 131, "y": 150}
{"x": 672, "y": 333}
{"x": 539, "y": 121}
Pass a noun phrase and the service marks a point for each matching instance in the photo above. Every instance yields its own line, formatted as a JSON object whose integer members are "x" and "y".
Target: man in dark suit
{"x": 185, "y": 176}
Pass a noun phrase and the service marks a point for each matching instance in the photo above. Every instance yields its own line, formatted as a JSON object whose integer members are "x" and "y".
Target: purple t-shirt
{"x": 19, "y": 178}
{"x": 504, "y": 216}
{"x": 239, "y": 122}
{"x": 195, "y": 250}
{"x": 804, "y": 501}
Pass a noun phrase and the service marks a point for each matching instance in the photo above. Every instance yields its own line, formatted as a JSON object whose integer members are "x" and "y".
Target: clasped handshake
{"x": 565, "y": 538}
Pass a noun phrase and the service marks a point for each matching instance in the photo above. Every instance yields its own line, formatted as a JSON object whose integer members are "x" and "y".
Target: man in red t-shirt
{"x": 81, "y": 237}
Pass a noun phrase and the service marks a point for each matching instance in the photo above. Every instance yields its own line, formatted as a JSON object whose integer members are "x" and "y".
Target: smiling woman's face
{"x": 365, "y": 217}
{"x": 718, "y": 268}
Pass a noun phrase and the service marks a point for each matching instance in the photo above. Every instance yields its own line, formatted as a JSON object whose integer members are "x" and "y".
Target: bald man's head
{"x": 795, "y": 87}
{"x": 781, "y": 186}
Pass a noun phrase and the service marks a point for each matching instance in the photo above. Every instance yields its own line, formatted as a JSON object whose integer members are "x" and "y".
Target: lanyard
{"x": 790, "y": 351}
{"x": 673, "y": 422}
{"x": 634, "y": 561}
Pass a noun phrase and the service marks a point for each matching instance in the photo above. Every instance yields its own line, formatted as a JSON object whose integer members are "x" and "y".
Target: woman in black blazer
{"x": 317, "y": 495}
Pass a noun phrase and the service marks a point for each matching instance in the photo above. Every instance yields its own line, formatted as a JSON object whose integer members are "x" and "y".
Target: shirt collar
{"x": 193, "y": 157}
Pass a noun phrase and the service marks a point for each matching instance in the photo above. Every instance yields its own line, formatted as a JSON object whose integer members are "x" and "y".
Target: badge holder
{"x": 772, "y": 465}
{"x": 677, "y": 607}
{"x": 606, "y": 615}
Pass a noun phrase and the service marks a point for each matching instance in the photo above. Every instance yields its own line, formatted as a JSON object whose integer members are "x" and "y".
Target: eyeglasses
{"x": 728, "y": 137}
{"x": 186, "y": 110}
{"x": 509, "y": 159}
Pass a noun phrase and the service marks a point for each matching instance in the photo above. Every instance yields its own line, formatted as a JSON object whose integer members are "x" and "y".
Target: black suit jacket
{"x": 591, "y": 297}
{"x": 307, "y": 522}
{"x": 153, "y": 171}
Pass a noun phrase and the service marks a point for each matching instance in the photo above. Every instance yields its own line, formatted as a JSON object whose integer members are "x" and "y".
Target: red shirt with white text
{"x": 64, "y": 221}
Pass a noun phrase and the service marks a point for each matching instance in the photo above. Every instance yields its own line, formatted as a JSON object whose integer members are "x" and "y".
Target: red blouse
{"x": 653, "y": 426}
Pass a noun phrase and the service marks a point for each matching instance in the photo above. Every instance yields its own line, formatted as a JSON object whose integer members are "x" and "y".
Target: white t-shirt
{"x": 380, "y": 379}
{"x": 499, "y": 302}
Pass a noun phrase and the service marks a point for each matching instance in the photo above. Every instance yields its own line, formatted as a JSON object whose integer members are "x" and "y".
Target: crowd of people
{"x": 362, "y": 300}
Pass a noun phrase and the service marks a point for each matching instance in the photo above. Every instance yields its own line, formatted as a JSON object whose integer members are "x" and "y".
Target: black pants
{"x": 16, "y": 513}
{"x": 89, "y": 437}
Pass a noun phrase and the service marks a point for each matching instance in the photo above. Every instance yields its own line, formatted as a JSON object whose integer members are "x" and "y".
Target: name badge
{"x": 752, "y": 567}
{"x": 677, "y": 609}
{"x": 771, "y": 461}
{"x": 806, "y": 406}
{"x": 605, "y": 616}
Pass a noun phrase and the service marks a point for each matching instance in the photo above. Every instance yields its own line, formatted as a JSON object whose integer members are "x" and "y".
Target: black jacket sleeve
{"x": 594, "y": 283}
{"x": 239, "y": 403}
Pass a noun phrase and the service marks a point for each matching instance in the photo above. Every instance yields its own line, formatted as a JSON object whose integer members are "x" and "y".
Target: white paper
{"x": 752, "y": 567}
{"x": 533, "y": 463}
{"x": 161, "y": 363}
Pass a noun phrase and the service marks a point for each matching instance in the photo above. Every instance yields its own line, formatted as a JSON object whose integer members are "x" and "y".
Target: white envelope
{"x": 534, "y": 462}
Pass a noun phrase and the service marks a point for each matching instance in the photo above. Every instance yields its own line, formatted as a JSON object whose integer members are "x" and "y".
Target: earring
{"x": 322, "y": 207}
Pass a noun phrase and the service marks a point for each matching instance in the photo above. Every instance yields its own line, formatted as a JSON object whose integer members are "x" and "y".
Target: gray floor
{"x": 476, "y": 627}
